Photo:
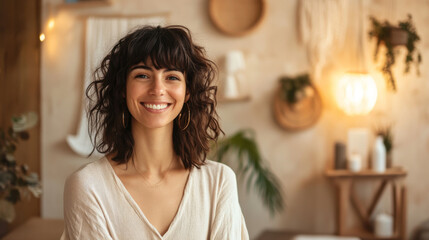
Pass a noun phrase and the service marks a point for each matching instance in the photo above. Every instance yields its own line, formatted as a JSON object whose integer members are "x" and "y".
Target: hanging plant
{"x": 404, "y": 34}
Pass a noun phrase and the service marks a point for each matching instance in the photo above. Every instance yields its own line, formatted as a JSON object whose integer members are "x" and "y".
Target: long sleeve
{"x": 83, "y": 216}
{"x": 228, "y": 221}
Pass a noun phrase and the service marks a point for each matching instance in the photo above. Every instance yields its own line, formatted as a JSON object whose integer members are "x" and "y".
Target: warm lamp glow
{"x": 42, "y": 37}
{"x": 356, "y": 93}
{"x": 51, "y": 24}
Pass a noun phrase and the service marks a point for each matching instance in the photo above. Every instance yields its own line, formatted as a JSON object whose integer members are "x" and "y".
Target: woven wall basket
{"x": 237, "y": 17}
{"x": 299, "y": 115}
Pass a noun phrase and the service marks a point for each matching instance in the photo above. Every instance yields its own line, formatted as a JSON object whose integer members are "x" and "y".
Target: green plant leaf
{"x": 14, "y": 196}
{"x": 249, "y": 159}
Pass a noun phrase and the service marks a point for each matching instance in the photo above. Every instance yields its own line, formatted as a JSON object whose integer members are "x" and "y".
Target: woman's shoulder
{"x": 87, "y": 175}
{"x": 217, "y": 170}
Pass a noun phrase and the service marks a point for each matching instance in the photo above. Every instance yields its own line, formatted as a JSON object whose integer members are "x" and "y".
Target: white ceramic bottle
{"x": 379, "y": 155}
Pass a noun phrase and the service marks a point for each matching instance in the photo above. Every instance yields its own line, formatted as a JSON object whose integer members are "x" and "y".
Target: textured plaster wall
{"x": 298, "y": 159}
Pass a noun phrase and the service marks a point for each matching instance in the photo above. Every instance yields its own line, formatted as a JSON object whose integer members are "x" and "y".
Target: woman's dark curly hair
{"x": 167, "y": 47}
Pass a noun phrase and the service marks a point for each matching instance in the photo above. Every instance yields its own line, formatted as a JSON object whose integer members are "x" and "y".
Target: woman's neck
{"x": 153, "y": 149}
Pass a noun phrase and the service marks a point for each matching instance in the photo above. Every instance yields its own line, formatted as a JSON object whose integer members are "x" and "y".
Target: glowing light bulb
{"x": 42, "y": 37}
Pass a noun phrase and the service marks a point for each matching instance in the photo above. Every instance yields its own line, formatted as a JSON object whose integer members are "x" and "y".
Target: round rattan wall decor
{"x": 237, "y": 17}
{"x": 299, "y": 115}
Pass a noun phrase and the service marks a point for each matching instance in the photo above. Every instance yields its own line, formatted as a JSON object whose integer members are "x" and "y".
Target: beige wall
{"x": 298, "y": 159}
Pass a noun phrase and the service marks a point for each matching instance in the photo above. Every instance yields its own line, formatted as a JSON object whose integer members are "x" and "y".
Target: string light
{"x": 42, "y": 37}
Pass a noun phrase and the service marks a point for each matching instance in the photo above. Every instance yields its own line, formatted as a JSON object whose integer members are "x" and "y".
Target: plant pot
{"x": 397, "y": 36}
{"x": 389, "y": 160}
{"x": 3, "y": 228}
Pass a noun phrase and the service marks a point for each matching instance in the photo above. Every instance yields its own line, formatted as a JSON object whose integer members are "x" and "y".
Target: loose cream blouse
{"x": 98, "y": 206}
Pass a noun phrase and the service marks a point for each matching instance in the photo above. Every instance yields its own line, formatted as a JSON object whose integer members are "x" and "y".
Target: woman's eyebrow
{"x": 151, "y": 69}
{"x": 172, "y": 70}
{"x": 141, "y": 66}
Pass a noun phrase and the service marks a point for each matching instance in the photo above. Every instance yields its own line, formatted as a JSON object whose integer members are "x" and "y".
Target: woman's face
{"x": 155, "y": 96}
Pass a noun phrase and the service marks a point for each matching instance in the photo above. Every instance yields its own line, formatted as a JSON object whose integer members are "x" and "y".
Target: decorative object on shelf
{"x": 100, "y": 37}
{"x": 251, "y": 165}
{"x": 16, "y": 182}
{"x": 232, "y": 87}
{"x": 386, "y": 133}
{"x": 297, "y": 103}
{"x": 405, "y": 34}
{"x": 320, "y": 32}
{"x": 356, "y": 93}
{"x": 358, "y": 143}
{"x": 379, "y": 155}
{"x": 354, "y": 164}
{"x": 383, "y": 225}
{"x": 237, "y": 18}
{"x": 340, "y": 156}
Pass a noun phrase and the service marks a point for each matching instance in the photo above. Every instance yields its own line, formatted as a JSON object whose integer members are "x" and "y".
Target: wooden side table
{"x": 38, "y": 228}
{"x": 344, "y": 181}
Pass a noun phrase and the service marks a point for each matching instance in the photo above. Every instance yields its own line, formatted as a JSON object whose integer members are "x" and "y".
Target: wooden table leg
{"x": 343, "y": 196}
{"x": 403, "y": 232}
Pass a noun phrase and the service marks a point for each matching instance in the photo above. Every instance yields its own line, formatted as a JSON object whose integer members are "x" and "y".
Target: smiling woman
{"x": 155, "y": 97}
{"x": 152, "y": 112}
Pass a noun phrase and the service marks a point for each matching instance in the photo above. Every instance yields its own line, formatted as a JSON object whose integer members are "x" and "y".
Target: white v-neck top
{"x": 98, "y": 206}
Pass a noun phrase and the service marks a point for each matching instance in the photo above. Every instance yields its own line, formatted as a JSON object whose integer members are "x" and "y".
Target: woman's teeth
{"x": 155, "y": 106}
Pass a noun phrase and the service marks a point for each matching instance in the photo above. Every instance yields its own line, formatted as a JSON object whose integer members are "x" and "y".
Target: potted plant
{"x": 297, "y": 104}
{"x": 294, "y": 89}
{"x": 16, "y": 181}
{"x": 386, "y": 133}
{"x": 405, "y": 34}
{"x": 251, "y": 165}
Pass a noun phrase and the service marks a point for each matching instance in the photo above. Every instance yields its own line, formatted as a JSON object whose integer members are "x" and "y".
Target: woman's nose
{"x": 157, "y": 87}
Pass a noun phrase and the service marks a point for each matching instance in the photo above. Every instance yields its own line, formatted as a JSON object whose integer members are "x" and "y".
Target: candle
{"x": 355, "y": 162}
{"x": 340, "y": 156}
{"x": 383, "y": 225}
{"x": 358, "y": 142}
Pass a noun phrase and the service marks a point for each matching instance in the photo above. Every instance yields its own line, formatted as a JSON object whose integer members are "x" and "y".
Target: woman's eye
{"x": 141, "y": 76}
{"x": 173, "y": 78}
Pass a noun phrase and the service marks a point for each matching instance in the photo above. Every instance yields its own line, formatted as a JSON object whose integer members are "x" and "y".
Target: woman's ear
{"x": 187, "y": 96}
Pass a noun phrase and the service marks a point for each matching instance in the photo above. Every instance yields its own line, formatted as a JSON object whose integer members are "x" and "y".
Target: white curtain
{"x": 101, "y": 34}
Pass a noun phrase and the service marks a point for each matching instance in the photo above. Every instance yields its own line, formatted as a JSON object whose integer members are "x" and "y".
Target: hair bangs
{"x": 162, "y": 48}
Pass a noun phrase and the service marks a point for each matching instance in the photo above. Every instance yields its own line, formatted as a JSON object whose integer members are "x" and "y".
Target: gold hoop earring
{"x": 123, "y": 120}
{"x": 187, "y": 122}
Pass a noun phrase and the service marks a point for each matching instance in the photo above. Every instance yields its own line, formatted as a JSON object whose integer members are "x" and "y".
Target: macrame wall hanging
{"x": 322, "y": 29}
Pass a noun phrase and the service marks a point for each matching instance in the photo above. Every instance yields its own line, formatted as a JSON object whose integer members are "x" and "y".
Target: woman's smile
{"x": 156, "y": 107}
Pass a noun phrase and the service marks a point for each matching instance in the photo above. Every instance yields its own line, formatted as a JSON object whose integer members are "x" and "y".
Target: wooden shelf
{"x": 236, "y": 99}
{"x": 389, "y": 173}
{"x": 85, "y": 4}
